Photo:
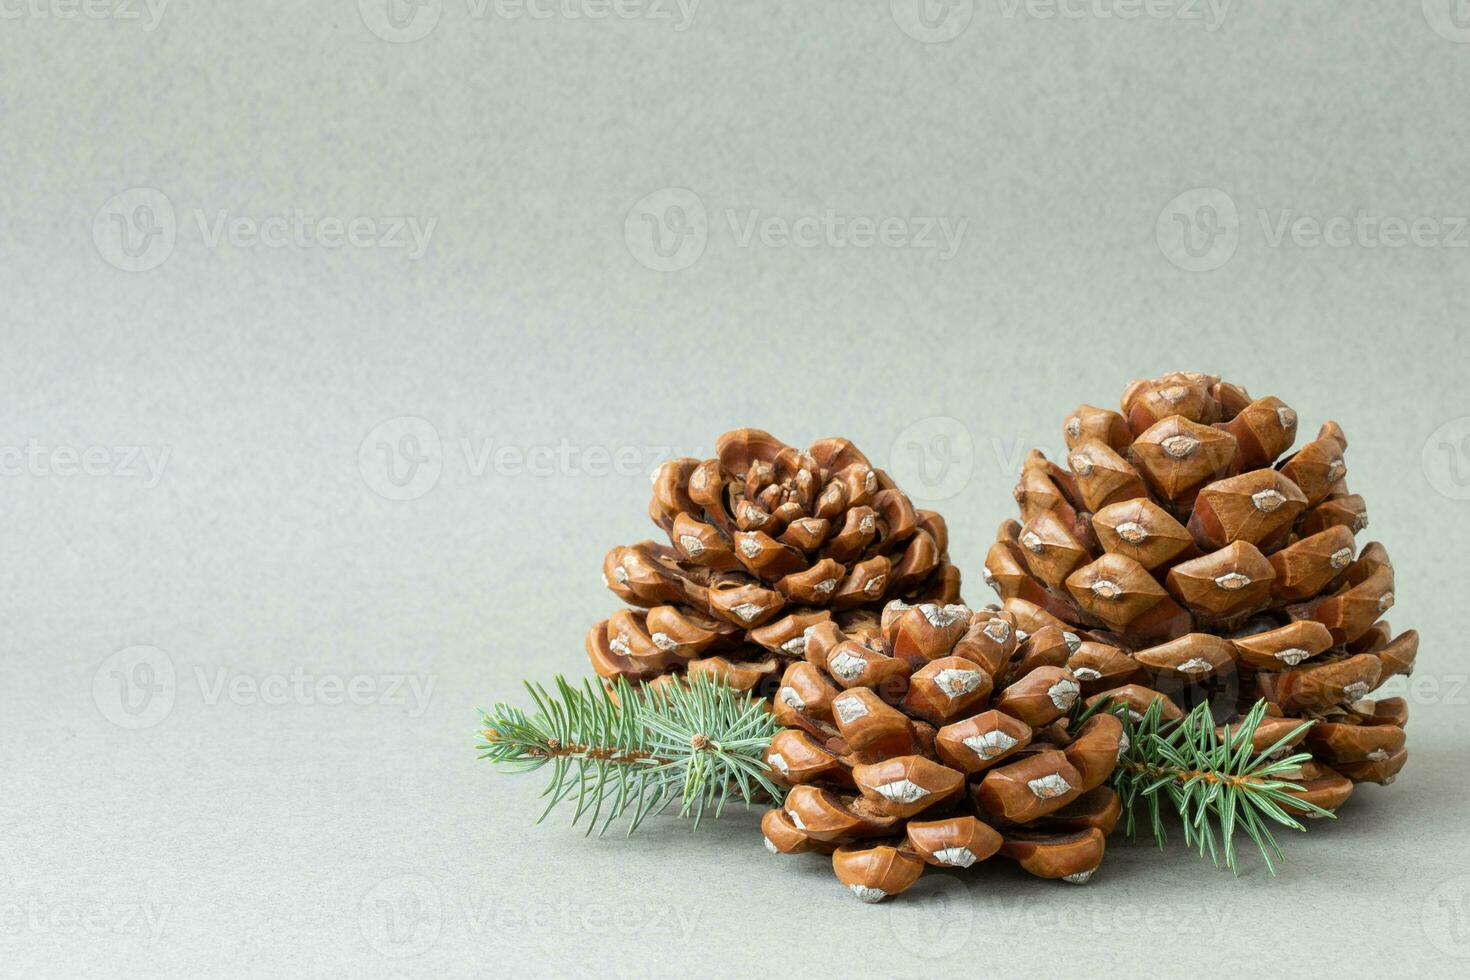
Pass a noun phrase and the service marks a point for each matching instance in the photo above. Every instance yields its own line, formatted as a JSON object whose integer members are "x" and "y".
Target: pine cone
{"x": 1183, "y": 563}
{"x": 766, "y": 543}
{"x": 938, "y": 736}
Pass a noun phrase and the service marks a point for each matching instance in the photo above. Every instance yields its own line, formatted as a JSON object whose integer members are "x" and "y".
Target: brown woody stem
{"x": 557, "y": 750}
{"x": 1185, "y": 775}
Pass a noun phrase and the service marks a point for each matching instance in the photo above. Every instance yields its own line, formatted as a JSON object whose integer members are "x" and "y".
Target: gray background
{"x": 169, "y": 825}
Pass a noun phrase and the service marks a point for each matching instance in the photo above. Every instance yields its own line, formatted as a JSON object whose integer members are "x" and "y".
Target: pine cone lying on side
{"x": 1186, "y": 563}
{"x": 938, "y": 736}
{"x": 766, "y": 543}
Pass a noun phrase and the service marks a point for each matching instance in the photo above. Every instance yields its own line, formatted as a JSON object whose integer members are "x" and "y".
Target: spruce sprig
{"x": 636, "y": 751}
{"x": 1215, "y": 783}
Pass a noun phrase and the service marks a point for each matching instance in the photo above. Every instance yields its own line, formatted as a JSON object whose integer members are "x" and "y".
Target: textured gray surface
{"x": 256, "y": 825}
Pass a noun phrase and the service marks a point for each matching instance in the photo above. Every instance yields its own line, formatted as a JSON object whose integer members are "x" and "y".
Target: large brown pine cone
{"x": 766, "y": 542}
{"x": 938, "y": 736}
{"x": 1184, "y": 562}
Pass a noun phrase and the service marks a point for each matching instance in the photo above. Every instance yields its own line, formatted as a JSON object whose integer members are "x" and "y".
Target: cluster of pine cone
{"x": 1172, "y": 560}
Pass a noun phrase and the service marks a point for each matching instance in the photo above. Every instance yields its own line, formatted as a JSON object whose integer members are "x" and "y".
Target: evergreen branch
{"x": 1215, "y": 783}
{"x": 635, "y": 752}
{"x": 631, "y": 752}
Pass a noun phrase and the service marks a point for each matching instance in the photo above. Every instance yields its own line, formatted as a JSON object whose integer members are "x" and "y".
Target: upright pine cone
{"x": 766, "y": 542}
{"x": 939, "y": 736}
{"x": 1179, "y": 560}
